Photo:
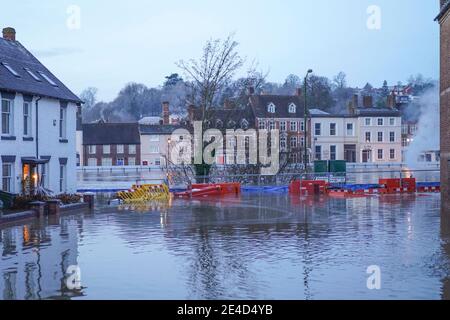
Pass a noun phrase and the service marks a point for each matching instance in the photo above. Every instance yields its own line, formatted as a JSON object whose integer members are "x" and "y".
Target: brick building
{"x": 444, "y": 20}
{"x": 111, "y": 144}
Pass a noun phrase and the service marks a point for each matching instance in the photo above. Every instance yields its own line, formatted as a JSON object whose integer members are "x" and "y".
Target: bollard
{"x": 89, "y": 199}
{"x": 53, "y": 207}
{"x": 39, "y": 208}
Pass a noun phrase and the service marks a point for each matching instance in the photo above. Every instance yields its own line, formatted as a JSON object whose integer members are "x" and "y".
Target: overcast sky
{"x": 140, "y": 40}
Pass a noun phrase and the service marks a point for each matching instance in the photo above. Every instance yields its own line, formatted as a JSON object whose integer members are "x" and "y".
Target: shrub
{"x": 22, "y": 202}
{"x": 69, "y": 198}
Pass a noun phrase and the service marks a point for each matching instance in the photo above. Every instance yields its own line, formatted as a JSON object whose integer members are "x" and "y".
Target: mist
{"x": 427, "y": 136}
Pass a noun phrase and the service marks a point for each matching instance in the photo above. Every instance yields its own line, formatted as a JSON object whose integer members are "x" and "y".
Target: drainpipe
{"x": 37, "y": 126}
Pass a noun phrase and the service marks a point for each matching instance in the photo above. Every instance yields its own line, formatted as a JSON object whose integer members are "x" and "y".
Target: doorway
{"x": 367, "y": 156}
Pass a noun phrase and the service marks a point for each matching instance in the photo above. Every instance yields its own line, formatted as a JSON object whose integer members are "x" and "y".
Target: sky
{"x": 107, "y": 44}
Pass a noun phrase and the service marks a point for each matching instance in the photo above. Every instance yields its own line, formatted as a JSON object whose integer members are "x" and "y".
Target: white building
{"x": 38, "y": 123}
{"x": 365, "y": 135}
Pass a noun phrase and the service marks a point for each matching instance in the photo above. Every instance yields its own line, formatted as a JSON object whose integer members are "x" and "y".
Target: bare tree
{"x": 213, "y": 70}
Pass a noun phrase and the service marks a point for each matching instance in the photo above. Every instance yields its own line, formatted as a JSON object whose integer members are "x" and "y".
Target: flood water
{"x": 258, "y": 246}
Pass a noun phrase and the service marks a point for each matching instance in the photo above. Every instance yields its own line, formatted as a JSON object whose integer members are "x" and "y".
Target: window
{"x": 392, "y": 121}
{"x": 302, "y": 141}
{"x": 292, "y": 108}
{"x": 219, "y": 124}
{"x": 62, "y": 122}
{"x": 271, "y": 108}
{"x": 380, "y": 136}
{"x": 33, "y": 75}
{"x": 26, "y": 119}
{"x": 283, "y": 126}
{"x": 271, "y": 125}
{"x": 283, "y": 143}
{"x": 62, "y": 178}
{"x": 45, "y": 175}
{"x": 120, "y": 149}
{"x": 154, "y": 149}
{"x": 293, "y": 126}
{"x": 318, "y": 153}
{"x": 380, "y": 121}
{"x": 392, "y": 136}
{"x": 120, "y": 162}
{"x": 92, "y": 149}
{"x": 132, "y": 161}
{"x": 332, "y": 152}
{"x": 293, "y": 157}
{"x": 392, "y": 154}
{"x": 154, "y": 138}
{"x": 92, "y": 162}
{"x": 262, "y": 125}
{"x": 368, "y": 121}
{"x": 107, "y": 162}
{"x": 106, "y": 149}
{"x": 318, "y": 129}
{"x": 132, "y": 149}
{"x": 302, "y": 126}
{"x": 368, "y": 137}
{"x": 43, "y": 75}
{"x": 293, "y": 142}
{"x": 380, "y": 154}
{"x": 332, "y": 129}
{"x": 7, "y": 177}
{"x": 244, "y": 124}
{"x": 10, "y": 69}
{"x": 350, "y": 129}
{"x": 7, "y": 117}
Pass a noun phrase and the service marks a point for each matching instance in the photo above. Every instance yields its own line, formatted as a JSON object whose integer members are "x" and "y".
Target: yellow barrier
{"x": 144, "y": 193}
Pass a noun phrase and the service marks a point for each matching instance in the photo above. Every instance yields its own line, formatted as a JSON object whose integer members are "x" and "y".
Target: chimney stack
{"x": 299, "y": 92}
{"x": 367, "y": 101}
{"x": 166, "y": 113}
{"x": 251, "y": 91}
{"x": 391, "y": 103}
{"x": 9, "y": 34}
{"x": 228, "y": 105}
{"x": 355, "y": 101}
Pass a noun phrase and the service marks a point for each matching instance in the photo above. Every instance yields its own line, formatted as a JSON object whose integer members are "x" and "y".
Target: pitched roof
{"x": 260, "y": 105}
{"x": 444, "y": 9}
{"x": 235, "y": 114}
{"x": 378, "y": 112}
{"x": 159, "y": 129}
{"x": 111, "y": 133}
{"x": 19, "y": 58}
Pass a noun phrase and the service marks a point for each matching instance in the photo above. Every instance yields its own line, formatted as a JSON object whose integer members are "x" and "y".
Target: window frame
{"x": 8, "y": 178}
{"x": 10, "y": 117}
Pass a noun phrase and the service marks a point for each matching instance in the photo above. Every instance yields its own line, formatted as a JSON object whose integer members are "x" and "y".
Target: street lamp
{"x": 305, "y": 156}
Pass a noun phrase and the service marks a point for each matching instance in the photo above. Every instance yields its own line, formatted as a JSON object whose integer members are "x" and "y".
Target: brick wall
{"x": 445, "y": 111}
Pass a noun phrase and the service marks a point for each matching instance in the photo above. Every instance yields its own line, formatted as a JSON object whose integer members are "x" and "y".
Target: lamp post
{"x": 305, "y": 155}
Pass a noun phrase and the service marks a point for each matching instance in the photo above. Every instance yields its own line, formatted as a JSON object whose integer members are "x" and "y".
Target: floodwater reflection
{"x": 258, "y": 246}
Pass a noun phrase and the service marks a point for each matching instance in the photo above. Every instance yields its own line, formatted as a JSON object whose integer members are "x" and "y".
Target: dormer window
{"x": 10, "y": 69}
{"x": 219, "y": 123}
{"x": 244, "y": 124}
{"x": 271, "y": 108}
{"x": 231, "y": 124}
{"x": 292, "y": 108}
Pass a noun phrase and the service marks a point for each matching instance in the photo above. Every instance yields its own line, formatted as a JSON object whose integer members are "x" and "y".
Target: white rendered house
{"x": 38, "y": 124}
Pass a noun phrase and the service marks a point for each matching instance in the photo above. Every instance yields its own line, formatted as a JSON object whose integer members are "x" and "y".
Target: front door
{"x": 30, "y": 178}
{"x": 366, "y": 156}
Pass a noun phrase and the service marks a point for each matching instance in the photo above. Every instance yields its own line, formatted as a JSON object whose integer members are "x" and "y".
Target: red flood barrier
{"x": 308, "y": 187}
{"x": 406, "y": 185}
{"x": 210, "y": 190}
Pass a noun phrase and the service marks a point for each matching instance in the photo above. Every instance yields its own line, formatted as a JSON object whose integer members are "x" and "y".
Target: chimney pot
{"x": 9, "y": 34}
{"x": 166, "y": 113}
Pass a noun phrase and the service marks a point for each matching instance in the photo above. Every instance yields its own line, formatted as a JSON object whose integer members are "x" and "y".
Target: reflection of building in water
{"x": 34, "y": 260}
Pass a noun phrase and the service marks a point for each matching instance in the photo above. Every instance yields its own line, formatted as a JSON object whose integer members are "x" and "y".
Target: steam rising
{"x": 427, "y": 136}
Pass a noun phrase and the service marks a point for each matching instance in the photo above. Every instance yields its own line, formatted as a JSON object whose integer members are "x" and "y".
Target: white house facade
{"x": 38, "y": 124}
{"x": 368, "y": 135}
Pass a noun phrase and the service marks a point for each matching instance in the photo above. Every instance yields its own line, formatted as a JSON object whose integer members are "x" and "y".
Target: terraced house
{"x": 38, "y": 123}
